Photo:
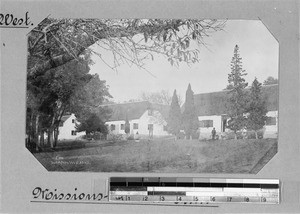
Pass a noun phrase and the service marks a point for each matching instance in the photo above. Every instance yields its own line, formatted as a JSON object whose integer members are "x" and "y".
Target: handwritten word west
{"x": 10, "y": 20}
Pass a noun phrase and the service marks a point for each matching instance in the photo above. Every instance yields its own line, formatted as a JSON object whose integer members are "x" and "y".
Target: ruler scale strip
{"x": 193, "y": 190}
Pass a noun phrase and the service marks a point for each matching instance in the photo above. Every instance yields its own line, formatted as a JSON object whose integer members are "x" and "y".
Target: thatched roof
{"x": 215, "y": 103}
{"x": 63, "y": 119}
{"x": 134, "y": 110}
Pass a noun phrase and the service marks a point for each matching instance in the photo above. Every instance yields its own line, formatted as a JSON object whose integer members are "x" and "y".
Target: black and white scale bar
{"x": 194, "y": 190}
{"x": 193, "y": 182}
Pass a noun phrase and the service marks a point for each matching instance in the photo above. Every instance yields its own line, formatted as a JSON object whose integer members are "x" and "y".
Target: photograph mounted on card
{"x": 152, "y": 95}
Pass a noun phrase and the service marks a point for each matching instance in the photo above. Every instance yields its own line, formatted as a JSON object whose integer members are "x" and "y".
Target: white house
{"x": 212, "y": 111}
{"x": 67, "y": 128}
{"x": 145, "y": 118}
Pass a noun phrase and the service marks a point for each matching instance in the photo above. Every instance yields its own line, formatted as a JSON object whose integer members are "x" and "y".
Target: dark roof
{"x": 63, "y": 119}
{"x": 215, "y": 103}
{"x": 134, "y": 110}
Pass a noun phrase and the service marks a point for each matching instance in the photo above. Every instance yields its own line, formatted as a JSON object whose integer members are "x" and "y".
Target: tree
{"x": 190, "y": 120}
{"x": 127, "y": 125}
{"x": 228, "y": 87}
{"x": 89, "y": 99}
{"x": 257, "y": 108}
{"x": 92, "y": 124}
{"x": 68, "y": 88}
{"x": 48, "y": 99}
{"x": 238, "y": 95}
{"x": 271, "y": 81}
{"x": 174, "y": 119}
{"x": 54, "y": 42}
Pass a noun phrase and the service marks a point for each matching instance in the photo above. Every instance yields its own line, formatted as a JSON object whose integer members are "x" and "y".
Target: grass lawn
{"x": 161, "y": 155}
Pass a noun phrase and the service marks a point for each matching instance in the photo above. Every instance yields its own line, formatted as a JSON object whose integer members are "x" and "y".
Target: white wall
{"x": 158, "y": 124}
{"x": 217, "y": 123}
{"x": 205, "y": 132}
{"x": 66, "y": 129}
{"x": 156, "y": 119}
{"x": 271, "y": 130}
{"x": 117, "y": 127}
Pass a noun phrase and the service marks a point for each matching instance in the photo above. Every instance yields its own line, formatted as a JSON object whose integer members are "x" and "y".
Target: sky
{"x": 257, "y": 47}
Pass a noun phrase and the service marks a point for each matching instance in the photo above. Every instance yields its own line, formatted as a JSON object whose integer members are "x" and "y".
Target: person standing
{"x": 199, "y": 132}
{"x": 213, "y": 133}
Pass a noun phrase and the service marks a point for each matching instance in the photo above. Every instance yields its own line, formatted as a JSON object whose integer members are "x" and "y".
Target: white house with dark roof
{"x": 145, "y": 118}
{"x": 67, "y": 128}
{"x": 212, "y": 111}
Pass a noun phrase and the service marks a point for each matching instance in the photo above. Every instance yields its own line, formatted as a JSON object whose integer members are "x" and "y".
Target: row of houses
{"x": 147, "y": 118}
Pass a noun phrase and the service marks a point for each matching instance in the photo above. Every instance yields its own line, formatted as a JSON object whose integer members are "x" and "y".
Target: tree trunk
{"x": 55, "y": 136}
{"x": 50, "y": 133}
{"x": 36, "y": 133}
{"x": 50, "y": 137}
{"x": 56, "y": 128}
{"x": 31, "y": 132}
{"x": 42, "y": 139}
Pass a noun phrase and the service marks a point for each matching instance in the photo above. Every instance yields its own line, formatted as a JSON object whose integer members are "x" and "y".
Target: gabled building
{"x": 145, "y": 118}
{"x": 67, "y": 128}
{"x": 212, "y": 111}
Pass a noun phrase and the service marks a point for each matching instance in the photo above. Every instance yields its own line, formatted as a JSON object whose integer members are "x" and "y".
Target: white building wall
{"x": 271, "y": 131}
{"x": 156, "y": 119}
{"x": 65, "y": 131}
{"x": 117, "y": 127}
{"x": 158, "y": 124}
{"x": 205, "y": 132}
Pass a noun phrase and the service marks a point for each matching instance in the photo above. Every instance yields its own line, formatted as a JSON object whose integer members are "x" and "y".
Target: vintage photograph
{"x": 152, "y": 95}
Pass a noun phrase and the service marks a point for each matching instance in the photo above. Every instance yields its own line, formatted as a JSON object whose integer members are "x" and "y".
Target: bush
{"x": 180, "y": 135}
{"x": 241, "y": 135}
{"x": 251, "y": 134}
{"x": 95, "y": 136}
{"x": 115, "y": 137}
{"x": 130, "y": 137}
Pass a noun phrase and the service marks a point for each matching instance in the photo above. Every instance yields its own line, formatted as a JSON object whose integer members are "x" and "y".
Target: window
{"x": 150, "y": 112}
{"x": 271, "y": 121}
{"x": 150, "y": 127}
{"x": 122, "y": 126}
{"x": 112, "y": 127}
{"x": 73, "y": 132}
{"x": 135, "y": 126}
{"x": 165, "y": 128}
{"x": 73, "y": 120}
{"x": 206, "y": 123}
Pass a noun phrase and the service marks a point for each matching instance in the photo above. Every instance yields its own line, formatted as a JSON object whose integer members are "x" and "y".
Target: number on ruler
{"x": 213, "y": 199}
{"x": 162, "y": 198}
{"x": 246, "y": 199}
{"x": 263, "y": 199}
{"x": 196, "y": 198}
{"x": 229, "y": 199}
{"x": 127, "y": 198}
{"x": 145, "y": 198}
{"x": 179, "y": 198}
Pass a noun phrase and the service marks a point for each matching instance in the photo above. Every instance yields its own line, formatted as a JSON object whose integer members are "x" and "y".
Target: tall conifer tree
{"x": 189, "y": 117}
{"x": 174, "y": 119}
{"x": 257, "y": 108}
{"x": 238, "y": 95}
{"x": 127, "y": 124}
